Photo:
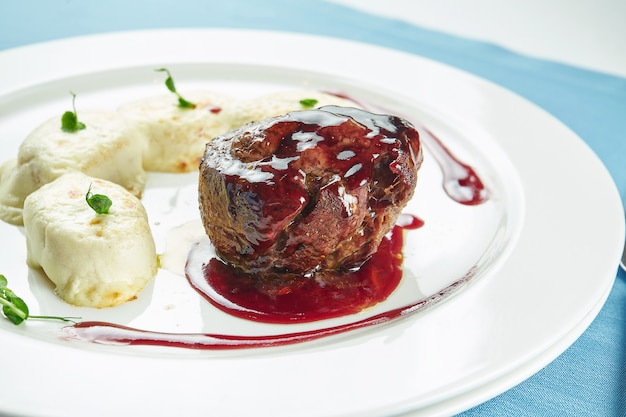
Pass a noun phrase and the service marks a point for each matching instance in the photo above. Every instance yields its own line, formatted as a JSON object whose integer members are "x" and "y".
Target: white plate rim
{"x": 545, "y": 351}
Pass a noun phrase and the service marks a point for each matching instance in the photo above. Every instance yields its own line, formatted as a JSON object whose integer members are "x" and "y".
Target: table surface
{"x": 577, "y": 44}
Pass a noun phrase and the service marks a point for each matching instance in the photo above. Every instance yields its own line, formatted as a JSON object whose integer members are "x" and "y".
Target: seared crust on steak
{"x": 307, "y": 192}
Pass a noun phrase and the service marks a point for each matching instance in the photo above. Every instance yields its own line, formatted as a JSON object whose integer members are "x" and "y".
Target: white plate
{"x": 544, "y": 248}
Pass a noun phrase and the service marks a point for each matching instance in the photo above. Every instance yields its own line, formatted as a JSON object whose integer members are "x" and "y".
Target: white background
{"x": 590, "y": 34}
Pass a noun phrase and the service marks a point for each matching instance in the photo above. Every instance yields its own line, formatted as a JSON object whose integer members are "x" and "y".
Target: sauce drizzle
{"x": 460, "y": 181}
{"x": 114, "y": 334}
{"x": 109, "y": 333}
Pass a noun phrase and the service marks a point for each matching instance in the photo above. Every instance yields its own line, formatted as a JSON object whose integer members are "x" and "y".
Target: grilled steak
{"x": 308, "y": 192}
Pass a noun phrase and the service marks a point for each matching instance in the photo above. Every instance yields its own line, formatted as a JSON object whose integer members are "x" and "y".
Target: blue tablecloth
{"x": 589, "y": 379}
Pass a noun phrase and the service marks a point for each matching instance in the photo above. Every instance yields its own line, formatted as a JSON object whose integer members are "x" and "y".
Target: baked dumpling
{"x": 175, "y": 136}
{"x": 95, "y": 260}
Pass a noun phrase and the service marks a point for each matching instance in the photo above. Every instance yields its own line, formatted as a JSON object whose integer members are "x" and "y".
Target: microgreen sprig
{"x": 69, "y": 120}
{"x": 308, "y": 103}
{"x": 16, "y": 310}
{"x": 98, "y": 202}
{"x": 169, "y": 83}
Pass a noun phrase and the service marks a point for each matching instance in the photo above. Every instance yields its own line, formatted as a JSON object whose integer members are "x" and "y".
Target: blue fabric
{"x": 589, "y": 379}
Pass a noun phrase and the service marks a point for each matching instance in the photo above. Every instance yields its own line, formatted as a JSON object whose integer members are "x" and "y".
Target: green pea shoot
{"x": 69, "y": 120}
{"x": 169, "y": 83}
{"x": 308, "y": 103}
{"x": 98, "y": 202}
{"x": 16, "y": 310}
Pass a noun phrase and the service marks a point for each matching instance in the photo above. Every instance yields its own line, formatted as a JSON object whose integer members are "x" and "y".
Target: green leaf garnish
{"x": 16, "y": 310}
{"x": 308, "y": 102}
{"x": 169, "y": 83}
{"x": 98, "y": 202}
{"x": 69, "y": 120}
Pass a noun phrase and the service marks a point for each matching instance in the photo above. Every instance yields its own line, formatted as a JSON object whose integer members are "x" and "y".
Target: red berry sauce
{"x": 299, "y": 298}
